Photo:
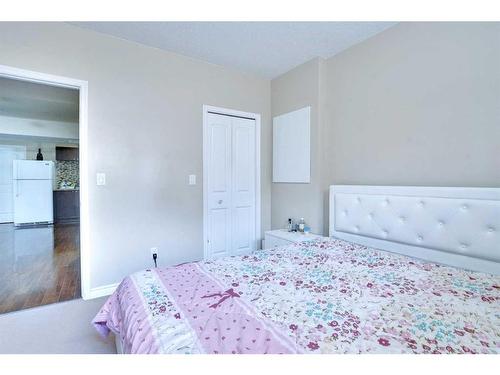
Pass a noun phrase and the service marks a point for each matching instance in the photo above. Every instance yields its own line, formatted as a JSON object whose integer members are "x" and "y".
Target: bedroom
{"x": 389, "y": 104}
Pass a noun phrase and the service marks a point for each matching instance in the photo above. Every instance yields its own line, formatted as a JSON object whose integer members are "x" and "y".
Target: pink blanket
{"x": 320, "y": 297}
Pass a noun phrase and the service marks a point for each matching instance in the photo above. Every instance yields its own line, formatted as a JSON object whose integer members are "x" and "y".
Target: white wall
{"x": 38, "y": 128}
{"x": 145, "y": 133}
{"x": 418, "y": 104}
{"x": 293, "y": 90}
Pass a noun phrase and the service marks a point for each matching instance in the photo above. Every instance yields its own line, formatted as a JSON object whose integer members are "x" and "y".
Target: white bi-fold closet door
{"x": 230, "y": 201}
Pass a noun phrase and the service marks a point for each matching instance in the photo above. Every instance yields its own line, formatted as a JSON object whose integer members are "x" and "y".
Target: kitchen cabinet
{"x": 67, "y": 153}
{"x": 66, "y": 206}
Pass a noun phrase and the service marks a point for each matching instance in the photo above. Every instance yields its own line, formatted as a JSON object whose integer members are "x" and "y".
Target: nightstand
{"x": 281, "y": 237}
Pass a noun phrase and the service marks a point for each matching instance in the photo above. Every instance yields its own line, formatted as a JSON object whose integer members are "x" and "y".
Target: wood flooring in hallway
{"x": 38, "y": 266}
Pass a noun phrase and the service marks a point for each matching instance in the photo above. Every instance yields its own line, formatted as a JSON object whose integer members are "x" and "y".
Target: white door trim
{"x": 82, "y": 86}
{"x": 230, "y": 112}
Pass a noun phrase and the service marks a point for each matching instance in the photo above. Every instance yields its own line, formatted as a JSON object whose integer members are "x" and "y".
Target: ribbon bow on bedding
{"x": 230, "y": 293}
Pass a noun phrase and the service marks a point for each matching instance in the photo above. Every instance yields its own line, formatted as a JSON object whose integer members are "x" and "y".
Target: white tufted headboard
{"x": 449, "y": 225}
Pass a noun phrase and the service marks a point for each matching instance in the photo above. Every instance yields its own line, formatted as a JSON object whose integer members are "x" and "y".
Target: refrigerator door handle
{"x": 16, "y": 188}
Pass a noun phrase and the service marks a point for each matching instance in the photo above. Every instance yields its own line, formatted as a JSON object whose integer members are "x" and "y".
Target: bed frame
{"x": 448, "y": 225}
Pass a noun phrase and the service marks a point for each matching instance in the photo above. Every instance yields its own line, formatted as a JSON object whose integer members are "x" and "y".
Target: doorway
{"x": 43, "y": 195}
{"x": 231, "y": 182}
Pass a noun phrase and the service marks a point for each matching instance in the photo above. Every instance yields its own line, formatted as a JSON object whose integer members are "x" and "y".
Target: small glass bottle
{"x": 289, "y": 226}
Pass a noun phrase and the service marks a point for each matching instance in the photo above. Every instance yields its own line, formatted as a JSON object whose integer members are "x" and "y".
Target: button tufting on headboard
{"x": 439, "y": 224}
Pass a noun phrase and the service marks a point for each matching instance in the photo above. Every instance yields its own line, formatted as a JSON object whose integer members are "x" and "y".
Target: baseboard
{"x": 101, "y": 291}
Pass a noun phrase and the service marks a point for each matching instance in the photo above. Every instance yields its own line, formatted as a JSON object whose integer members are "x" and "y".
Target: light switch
{"x": 101, "y": 179}
{"x": 192, "y": 179}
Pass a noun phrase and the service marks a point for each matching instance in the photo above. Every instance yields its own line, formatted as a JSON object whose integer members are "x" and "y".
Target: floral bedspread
{"x": 326, "y": 296}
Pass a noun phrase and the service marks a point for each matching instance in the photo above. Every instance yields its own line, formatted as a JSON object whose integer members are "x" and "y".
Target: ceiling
{"x": 38, "y": 101}
{"x": 267, "y": 49}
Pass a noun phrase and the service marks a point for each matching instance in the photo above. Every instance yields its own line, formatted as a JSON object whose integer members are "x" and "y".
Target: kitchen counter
{"x": 74, "y": 189}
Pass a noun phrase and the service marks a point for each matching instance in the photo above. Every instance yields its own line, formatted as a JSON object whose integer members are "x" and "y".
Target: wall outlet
{"x": 101, "y": 179}
{"x": 154, "y": 250}
{"x": 192, "y": 179}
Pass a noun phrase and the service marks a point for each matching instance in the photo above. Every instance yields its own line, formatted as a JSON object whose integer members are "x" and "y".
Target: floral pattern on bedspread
{"x": 337, "y": 297}
{"x": 327, "y": 296}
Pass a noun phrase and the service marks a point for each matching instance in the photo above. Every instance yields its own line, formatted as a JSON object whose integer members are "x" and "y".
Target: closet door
{"x": 230, "y": 200}
{"x": 219, "y": 185}
{"x": 243, "y": 185}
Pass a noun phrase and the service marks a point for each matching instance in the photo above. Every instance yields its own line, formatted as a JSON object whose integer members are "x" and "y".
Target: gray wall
{"x": 145, "y": 133}
{"x": 293, "y": 90}
{"x": 418, "y": 104}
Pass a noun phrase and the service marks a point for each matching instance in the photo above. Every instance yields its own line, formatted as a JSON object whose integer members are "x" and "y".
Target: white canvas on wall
{"x": 292, "y": 147}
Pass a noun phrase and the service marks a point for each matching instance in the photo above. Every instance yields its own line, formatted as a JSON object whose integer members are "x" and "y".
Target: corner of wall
{"x": 298, "y": 88}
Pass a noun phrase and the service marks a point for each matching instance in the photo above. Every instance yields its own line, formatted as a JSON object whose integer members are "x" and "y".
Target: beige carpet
{"x": 60, "y": 328}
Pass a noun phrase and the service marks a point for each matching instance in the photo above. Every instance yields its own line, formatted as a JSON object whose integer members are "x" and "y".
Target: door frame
{"x": 82, "y": 87}
{"x": 230, "y": 112}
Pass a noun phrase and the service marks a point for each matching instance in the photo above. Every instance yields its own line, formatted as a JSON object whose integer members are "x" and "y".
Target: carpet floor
{"x": 60, "y": 328}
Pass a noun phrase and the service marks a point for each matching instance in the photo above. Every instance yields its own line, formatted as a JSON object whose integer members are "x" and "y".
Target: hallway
{"x": 38, "y": 265}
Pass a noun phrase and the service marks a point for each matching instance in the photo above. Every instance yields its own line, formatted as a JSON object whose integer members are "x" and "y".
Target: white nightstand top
{"x": 292, "y": 236}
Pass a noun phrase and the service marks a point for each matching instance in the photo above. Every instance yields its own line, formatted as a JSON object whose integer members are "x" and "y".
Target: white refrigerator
{"x": 33, "y": 182}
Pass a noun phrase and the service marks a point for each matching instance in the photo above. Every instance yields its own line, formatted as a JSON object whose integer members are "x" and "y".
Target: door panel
{"x": 243, "y": 157}
{"x": 231, "y": 179}
{"x": 220, "y": 153}
{"x": 220, "y": 236}
{"x": 219, "y": 185}
{"x": 242, "y": 231}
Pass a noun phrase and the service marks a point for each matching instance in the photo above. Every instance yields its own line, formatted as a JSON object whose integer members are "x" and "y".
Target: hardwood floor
{"x": 38, "y": 265}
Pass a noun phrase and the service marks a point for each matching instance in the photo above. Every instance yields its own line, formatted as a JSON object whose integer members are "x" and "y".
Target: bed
{"x": 405, "y": 270}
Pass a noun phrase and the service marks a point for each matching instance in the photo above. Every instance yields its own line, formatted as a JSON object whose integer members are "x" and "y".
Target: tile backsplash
{"x": 67, "y": 174}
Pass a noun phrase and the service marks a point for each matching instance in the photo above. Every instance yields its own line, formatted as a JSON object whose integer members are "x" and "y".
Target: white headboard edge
{"x": 448, "y": 225}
